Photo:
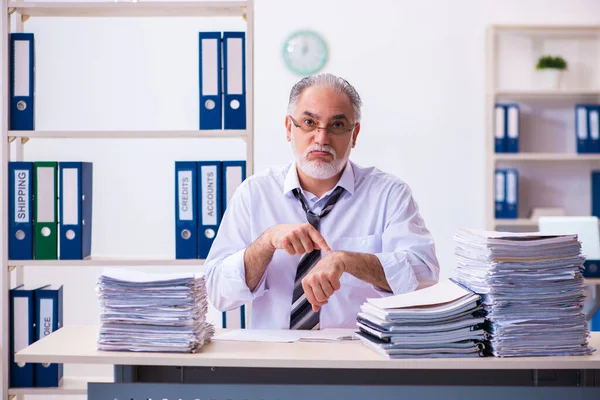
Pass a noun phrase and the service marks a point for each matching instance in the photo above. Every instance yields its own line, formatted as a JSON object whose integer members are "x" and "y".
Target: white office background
{"x": 418, "y": 65}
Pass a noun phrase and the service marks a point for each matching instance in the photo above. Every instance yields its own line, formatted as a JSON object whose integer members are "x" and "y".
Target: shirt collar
{"x": 291, "y": 180}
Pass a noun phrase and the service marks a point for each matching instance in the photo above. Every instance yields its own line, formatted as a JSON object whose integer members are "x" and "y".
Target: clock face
{"x": 304, "y": 52}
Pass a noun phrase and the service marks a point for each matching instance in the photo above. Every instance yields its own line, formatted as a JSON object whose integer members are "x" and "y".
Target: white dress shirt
{"x": 375, "y": 214}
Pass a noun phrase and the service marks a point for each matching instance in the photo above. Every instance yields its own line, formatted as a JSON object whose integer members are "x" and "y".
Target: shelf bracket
{"x": 24, "y": 140}
{"x": 11, "y": 11}
{"x": 244, "y": 138}
{"x": 245, "y": 15}
{"x": 11, "y": 268}
{"x": 24, "y": 18}
{"x": 11, "y": 139}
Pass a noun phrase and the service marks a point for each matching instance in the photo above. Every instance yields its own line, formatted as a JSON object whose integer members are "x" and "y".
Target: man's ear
{"x": 288, "y": 128}
{"x": 355, "y": 134}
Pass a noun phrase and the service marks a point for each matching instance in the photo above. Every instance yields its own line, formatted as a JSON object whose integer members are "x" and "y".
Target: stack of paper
{"x": 443, "y": 320}
{"x": 532, "y": 290}
{"x": 152, "y": 312}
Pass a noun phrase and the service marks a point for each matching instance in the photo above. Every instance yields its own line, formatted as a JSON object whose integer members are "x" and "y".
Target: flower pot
{"x": 549, "y": 78}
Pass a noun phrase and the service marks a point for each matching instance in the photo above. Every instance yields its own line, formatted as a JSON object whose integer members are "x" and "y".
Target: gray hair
{"x": 329, "y": 81}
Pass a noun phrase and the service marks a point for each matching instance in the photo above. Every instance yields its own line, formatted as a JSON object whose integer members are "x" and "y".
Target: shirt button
{"x": 364, "y": 242}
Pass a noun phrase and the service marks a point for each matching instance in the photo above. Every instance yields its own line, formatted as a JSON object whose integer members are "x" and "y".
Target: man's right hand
{"x": 297, "y": 238}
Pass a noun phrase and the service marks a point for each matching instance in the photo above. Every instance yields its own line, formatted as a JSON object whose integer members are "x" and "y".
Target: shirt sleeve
{"x": 224, "y": 267}
{"x": 408, "y": 251}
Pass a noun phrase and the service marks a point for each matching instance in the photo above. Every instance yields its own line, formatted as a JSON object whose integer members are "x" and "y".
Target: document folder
{"x": 209, "y": 198}
{"x": 20, "y": 209}
{"x": 22, "y": 89}
{"x": 186, "y": 215}
{"x": 500, "y": 194}
{"x": 211, "y": 114}
{"x": 500, "y": 145}
{"x": 22, "y": 328}
{"x": 49, "y": 318}
{"x": 513, "y": 112}
{"x": 234, "y": 76}
{"x": 512, "y": 193}
{"x": 75, "y": 204}
{"x": 46, "y": 211}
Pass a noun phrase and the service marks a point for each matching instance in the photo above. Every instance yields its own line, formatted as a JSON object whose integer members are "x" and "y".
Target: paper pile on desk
{"x": 152, "y": 312}
{"x": 532, "y": 290}
{"x": 443, "y": 320}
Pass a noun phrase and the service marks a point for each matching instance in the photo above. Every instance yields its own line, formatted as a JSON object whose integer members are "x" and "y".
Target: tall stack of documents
{"x": 532, "y": 290}
{"x": 443, "y": 320}
{"x": 152, "y": 312}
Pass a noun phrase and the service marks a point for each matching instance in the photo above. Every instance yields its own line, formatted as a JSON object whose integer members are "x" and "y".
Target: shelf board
{"x": 69, "y": 386}
{"x": 215, "y": 134}
{"x": 134, "y": 9}
{"x": 592, "y": 281}
{"x": 547, "y": 93}
{"x": 546, "y": 157}
{"x": 108, "y": 262}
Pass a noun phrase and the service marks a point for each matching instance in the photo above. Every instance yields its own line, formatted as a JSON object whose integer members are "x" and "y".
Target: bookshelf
{"x": 15, "y": 16}
{"x": 551, "y": 171}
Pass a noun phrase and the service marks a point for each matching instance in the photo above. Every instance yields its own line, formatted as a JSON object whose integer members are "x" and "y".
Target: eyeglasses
{"x": 336, "y": 128}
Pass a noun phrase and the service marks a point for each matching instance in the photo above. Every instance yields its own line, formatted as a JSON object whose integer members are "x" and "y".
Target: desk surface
{"x": 77, "y": 344}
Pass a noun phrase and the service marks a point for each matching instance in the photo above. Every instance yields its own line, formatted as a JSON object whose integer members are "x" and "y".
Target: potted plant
{"x": 550, "y": 70}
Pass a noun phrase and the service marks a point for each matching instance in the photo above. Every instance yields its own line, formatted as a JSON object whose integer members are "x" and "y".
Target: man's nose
{"x": 321, "y": 136}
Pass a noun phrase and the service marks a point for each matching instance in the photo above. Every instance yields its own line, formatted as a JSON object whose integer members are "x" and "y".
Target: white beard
{"x": 319, "y": 169}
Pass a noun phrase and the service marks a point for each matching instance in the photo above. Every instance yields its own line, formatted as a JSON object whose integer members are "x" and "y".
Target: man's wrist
{"x": 346, "y": 260}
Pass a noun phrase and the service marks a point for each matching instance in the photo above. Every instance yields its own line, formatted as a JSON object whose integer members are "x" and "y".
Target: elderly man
{"x": 308, "y": 242}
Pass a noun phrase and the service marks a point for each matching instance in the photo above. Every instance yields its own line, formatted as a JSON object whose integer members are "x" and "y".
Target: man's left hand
{"x": 324, "y": 279}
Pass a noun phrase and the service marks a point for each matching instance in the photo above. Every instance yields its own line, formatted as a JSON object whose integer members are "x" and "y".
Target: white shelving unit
{"x": 551, "y": 172}
{"x": 23, "y": 12}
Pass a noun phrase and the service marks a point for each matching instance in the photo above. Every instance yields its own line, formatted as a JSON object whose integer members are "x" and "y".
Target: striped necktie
{"x": 302, "y": 316}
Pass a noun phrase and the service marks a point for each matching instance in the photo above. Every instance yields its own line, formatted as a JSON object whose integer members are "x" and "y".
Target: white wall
{"x": 418, "y": 65}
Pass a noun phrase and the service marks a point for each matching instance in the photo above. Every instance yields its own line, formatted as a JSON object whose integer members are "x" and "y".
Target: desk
{"x": 349, "y": 364}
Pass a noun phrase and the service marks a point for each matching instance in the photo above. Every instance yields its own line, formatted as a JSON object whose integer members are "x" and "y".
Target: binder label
{"x": 70, "y": 200}
{"x": 22, "y": 195}
{"x": 209, "y": 194}
{"x": 46, "y": 316}
{"x": 511, "y": 188}
{"x": 210, "y": 72}
{"x": 581, "y": 123}
{"x": 499, "y": 186}
{"x": 594, "y": 128}
{"x": 45, "y": 194}
{"x": 186, "y": 209}
{"x": 21, "y": 84}
{"x": 234, "y": 179}
{"x": 21, "y": 320}
{"x": 499, "y": 129}
{"x": 234, "y": 66}
{"x": 513, "y": 122}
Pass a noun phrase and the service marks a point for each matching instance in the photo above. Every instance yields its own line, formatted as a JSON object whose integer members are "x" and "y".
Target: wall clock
{"x": 304, "y": 52}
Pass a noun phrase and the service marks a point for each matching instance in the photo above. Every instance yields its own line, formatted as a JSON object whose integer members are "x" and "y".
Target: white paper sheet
{"x": 443, "y": 292}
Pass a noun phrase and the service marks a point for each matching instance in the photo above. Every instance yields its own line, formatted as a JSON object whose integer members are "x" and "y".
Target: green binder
{"x": 45, "y": 224}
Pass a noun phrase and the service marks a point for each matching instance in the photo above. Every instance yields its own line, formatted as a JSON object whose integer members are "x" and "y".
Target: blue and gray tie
{"x": 302, "y": 315}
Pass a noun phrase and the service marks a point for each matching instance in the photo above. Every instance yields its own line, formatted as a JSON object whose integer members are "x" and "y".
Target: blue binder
{"x": 595, "y": 193}
{"x": 233, "y": 174}
{"x": 186, "y": 210}
{"x": 20, "y": 210}
{"x": 75, "y": 206}
{"x": 209, "y": 204}
{"x": 211, "y": 105}
{"x": 22, "y": 328}
{"x": 49, "y": 318}
{"x": 593, "y": 113}
{"x": 582, "y": 129}
{"x": 234, "y": 78}
{"x": 513, "y": 128}
{"x": 512, "y": 193}
{"x": 22, "y": 89}
{"x": 500, "y": 193}
{"x": 500, "y": 121}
